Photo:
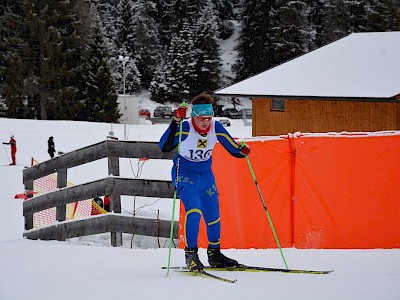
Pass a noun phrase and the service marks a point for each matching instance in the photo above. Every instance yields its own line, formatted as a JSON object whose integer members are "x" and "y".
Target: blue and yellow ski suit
{"x": 193, "y": 176}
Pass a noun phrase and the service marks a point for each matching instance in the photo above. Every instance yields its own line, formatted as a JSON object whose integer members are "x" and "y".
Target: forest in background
{"x": 65, "y": 60}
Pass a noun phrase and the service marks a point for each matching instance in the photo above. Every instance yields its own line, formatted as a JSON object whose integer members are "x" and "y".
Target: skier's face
{"x": 203, "y": 122}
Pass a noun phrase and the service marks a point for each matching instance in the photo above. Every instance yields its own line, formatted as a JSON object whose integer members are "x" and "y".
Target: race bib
{"x": 198, "y": 148}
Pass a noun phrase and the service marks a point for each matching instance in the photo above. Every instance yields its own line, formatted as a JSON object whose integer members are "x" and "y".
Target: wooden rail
{"x": 103, "y": 223}
{"x": 112, "y": 185}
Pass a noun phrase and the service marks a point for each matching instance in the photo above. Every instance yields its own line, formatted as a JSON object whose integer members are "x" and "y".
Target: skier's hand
{"x": 180, "y": 113}
{"x": 244, "y": 149}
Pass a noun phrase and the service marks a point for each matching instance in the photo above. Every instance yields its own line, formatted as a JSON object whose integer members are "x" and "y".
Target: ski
{"x": 202, "y": 273}
{"x": 256, "y": 269}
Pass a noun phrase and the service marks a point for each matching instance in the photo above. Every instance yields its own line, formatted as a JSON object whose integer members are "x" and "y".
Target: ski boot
{"x": 217, "y": 259}
{"x": 192, "y": 260}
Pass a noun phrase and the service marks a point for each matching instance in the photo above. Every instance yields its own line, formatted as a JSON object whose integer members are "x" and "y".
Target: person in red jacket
{"x": 13, "y": 144}
{"x": 107, "y": 203}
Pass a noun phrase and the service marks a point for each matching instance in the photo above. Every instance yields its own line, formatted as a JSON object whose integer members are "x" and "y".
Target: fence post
{"x": 115, "y": 199}
{"x": 61, "y": 211}
{"x": 29, "y": 218}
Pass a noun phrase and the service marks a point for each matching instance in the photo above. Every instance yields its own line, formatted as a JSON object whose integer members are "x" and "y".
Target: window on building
{"x": 278, "y": 105}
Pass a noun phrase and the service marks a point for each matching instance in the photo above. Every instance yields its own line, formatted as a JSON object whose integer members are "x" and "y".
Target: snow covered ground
{"x": 89, "y": 268}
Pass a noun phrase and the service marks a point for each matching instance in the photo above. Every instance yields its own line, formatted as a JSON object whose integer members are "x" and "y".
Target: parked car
{"x": 248, "y": 112}
{"x": 225, "y": 122}
{"x": 144, "y": 113}
{"x": 163, "y": 112}
{"x": 231, "y": 113}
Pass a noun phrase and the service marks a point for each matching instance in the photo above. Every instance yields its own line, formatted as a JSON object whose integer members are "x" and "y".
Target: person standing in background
{"x": 51, "y": 147}
{"x": 13, "y": 144}
{"x": 107, "y": 203}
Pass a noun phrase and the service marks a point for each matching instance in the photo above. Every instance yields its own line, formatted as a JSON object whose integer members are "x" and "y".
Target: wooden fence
{"x": 114, "y": 186}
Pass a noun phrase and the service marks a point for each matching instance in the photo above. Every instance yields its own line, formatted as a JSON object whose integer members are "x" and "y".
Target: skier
{"x": 13, "y": 144}
{"x": 194, "y": 179}
{"x": 51, "y": 147}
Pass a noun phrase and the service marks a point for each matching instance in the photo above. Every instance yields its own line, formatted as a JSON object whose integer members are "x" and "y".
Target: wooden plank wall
{"x": 398, "y": 116}
{"x": 113, "y": 186}
{"x": 107, "y": 186}
{"x": 323, "y": 116}
{"x": 109, "y": 148}
{"x": 104, "y": 223}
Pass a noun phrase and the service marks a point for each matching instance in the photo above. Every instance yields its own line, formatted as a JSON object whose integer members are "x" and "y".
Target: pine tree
{"x": 168, "y": 21}
{"x": 171, "y": 45}
{"x": 207, "y": 56}
{"x": 126, "y": 29}
{"x": 108, "y": 13}
{"x": 188, "y": 10}
{"x": 336, "y": 24}
{"x": 97, "y": 96}
{"x": 383, "y": 15}
{"x": 316, "y": 18}
{"x": 108, "y": 16}
{"x": 13, "y": 68}
{"x": 126, "y": 45}
{"x": 180, "y": 65}
{"x": 333, "y": 20}
{"x": 78, "y": 35}
{"x": 255, "y": 39}
{"x": 158, "y": 86}
{"x": 225, "y": 9}
{"x": 3, "y": 107}
{"x": 358, "y": 15}
{"x": 288, "y": 31}
{"x": 53, "y": 57}
{"x": 132, "y": 74}
{"x": 147, "y": 45}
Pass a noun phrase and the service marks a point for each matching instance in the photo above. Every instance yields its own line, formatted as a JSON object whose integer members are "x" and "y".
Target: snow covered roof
{"x": 361, "y": 65}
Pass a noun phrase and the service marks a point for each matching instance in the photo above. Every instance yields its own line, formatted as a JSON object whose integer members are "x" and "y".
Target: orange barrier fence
{"x": 321, "y": 190}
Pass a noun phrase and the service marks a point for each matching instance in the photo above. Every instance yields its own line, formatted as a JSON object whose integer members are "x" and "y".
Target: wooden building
{"x": 352, "y": 84}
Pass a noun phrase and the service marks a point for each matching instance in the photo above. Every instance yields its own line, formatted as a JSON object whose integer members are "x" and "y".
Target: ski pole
{"x": 171, "y": 233}
{"x": 265, "y": 208}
